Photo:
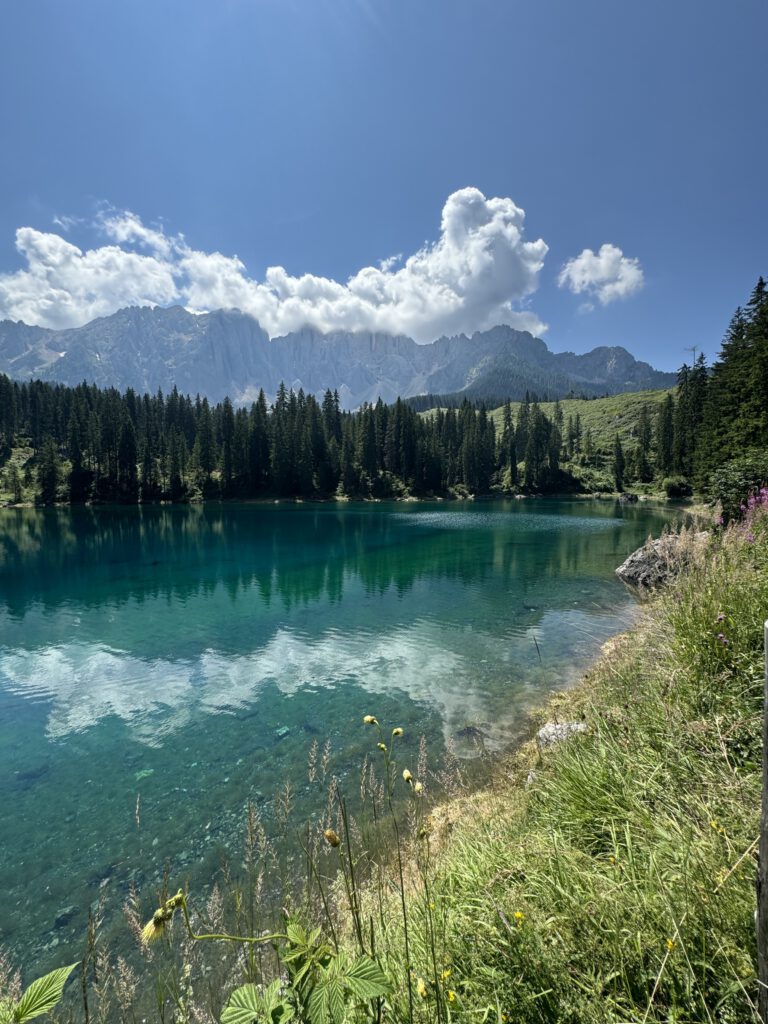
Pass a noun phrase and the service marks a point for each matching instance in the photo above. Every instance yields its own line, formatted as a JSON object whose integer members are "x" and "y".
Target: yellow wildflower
{"x": 331, "y": 837}
{"x": 370, "y": 720}
{"x": 421, "y": 988}
{"x": 417, "y": 787}
{"x": 519, "y": 918}
{"x": 451, "y": 996}
{"x": 670, "y": 944}
{"x": 446, "y": 973}
{"x": 382, "y": 746}
{"x": 155, "y": 928}
{"x": 397, "y": 732}
{"x": 407, "y": 775}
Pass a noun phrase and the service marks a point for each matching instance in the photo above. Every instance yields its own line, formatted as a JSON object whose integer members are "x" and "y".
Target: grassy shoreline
{"x": 611, "y": 877}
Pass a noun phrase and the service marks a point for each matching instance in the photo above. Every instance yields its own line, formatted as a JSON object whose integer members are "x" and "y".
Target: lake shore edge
{"x": 640, "y": 825}
{"x": 652, "y": 498}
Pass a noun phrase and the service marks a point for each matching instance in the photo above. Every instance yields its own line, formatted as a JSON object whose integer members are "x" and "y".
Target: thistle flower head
{"x": 154, "y": 929}
{"x": 332, "y": 837}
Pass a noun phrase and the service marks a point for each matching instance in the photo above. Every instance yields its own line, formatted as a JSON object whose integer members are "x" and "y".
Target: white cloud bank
{"x": 606, "y": 275}
{"x": 477, "y": 274}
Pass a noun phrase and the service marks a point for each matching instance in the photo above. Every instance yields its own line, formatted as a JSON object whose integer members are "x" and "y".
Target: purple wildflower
{"x": 720, "y": 618}
{"x": 723, "y": 639}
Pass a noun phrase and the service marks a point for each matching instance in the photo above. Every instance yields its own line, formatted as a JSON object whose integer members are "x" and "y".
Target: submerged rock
{"x": 657, "y": 561}
{"x": 64, "y": 916}
{"x": 471, "y": 732}
{"x": 556, "y": 732}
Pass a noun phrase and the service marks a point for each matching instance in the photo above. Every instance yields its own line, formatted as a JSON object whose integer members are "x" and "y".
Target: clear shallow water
{"x": 190, "y": 656}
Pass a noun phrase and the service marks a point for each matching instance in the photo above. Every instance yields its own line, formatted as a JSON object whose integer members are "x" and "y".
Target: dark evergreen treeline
{"x": 720, "y": 414}
{"x": 89, "y": 444}
{"x": 454, "y": 400}
{"x": 93, "y": 444}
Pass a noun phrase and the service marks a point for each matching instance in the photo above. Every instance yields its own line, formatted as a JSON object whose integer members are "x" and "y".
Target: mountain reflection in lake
{"x": 190, "y": 655}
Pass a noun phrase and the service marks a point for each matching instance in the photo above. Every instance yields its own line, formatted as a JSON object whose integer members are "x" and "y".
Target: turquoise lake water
{"x": 189, "y": 656}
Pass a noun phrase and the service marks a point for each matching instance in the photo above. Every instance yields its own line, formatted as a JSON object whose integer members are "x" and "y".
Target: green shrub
{"x": 677, "y": 487}
{"x": 736, "y": 479}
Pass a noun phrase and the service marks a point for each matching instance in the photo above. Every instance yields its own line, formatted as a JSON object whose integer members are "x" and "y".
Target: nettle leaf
{"x": 42, "y": 995}
{"x": 275, "y": 1007}
{"x": 317, "y": 1004}
{"x": 247, "y": 1004}
{"x": 366, "y": 979}
{"x": 243, "y": 1006}
{"x": 337, "y": 1005}
{"x": 296, "y": 934}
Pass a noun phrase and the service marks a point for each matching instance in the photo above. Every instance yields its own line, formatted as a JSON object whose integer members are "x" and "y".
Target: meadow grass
{"x": 605, "y": 417}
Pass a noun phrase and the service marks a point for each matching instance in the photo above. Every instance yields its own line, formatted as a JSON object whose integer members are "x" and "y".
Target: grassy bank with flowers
{"x": 611, "y": 878}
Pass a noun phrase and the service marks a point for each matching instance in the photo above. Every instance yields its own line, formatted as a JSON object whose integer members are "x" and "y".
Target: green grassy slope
{"x": 603, "y": 416}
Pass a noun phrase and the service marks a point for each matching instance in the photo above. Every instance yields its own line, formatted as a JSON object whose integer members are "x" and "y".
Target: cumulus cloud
{"x": 478, "y": 273}
{"x": 606, "y": 275}
{"x": 64, "y": 286}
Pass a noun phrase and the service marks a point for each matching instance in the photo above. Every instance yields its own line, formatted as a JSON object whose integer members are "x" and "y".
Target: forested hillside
{"x": 81, "y": 444}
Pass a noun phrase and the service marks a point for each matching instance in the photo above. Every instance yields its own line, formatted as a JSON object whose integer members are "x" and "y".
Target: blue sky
{"x": 326, "y": 136}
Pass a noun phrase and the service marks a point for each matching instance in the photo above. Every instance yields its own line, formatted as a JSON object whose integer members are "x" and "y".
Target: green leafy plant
{"x": 328, "y": 986}
{"x": 41, "y": 997}
{"x": 324, "y": 987}
{"x": 250, "y": 1002}
{"x": 736, "y": 479}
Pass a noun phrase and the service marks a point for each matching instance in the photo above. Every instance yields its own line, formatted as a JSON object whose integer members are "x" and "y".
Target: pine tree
{"x": 79, "y": 477}
{"x": 127, "y": 474}
{"x": 48, "y": 471}
{"x": 642, "y": 467}
{"x": 227, "y": 440}
{"x": 665, "y": 433}
{"x": 14, "y": 484}
{"x": 619, "y": 464}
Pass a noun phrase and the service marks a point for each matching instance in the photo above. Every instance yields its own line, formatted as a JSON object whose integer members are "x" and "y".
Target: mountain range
{"x": 226, "y": 352}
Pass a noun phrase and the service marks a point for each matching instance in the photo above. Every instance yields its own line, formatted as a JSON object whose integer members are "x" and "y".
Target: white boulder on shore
{"x": 555, "y": 732}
